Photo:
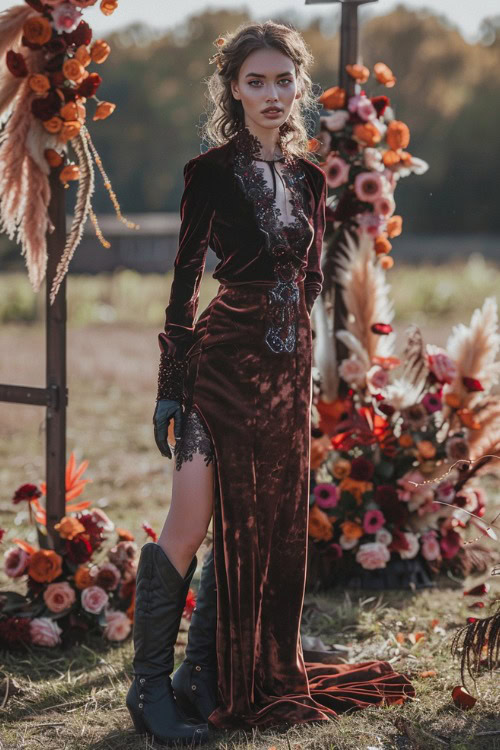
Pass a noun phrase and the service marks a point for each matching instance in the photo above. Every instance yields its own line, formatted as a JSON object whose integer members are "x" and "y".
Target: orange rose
{"x": 426, "y": 449}
{"x": 394, "y": 226}
{"x": 384, "y": 74}
{"x": 319, "y": 450}
{"x": 69, "y": 111}
{"x": 390, "y": 158}
{"x": 73, "y": 70}
{"x": 103, "y": 110}
{"x": 70, "y": 172}
{"x": 351, "y": 530}
{"x": 83, "y": 55}
{"x": 37, "y": 30}
{"x": 406, "y": 440}
{"x": 320, "y": 526}
{"x": 124, "y": 535}
{"x": 69, "y": 130}
{"x": 356, "y": 487}
{"x": 39, "y": 83}
{"x": 69, "y": 527}
{"x": 100, "y": 51}
{"x": 83, "y": 577}
{"x": 367, "y": 133}
{"x": 53, "y": 125}
{"x": 53, "y": 158}
{"x": 333, "y": 98}
{"x": 360, "y": 73}
{"x": 406, "y": 158}
{"x": 45, "y": 566}
{"x": 108, "y": 6}
{"x": 386, "y": 262}
{"x": 453, "y": 400}
{"x": 341, "y": 468}
{"x": 397, "y": 135}
{"x": 382, "y": 244}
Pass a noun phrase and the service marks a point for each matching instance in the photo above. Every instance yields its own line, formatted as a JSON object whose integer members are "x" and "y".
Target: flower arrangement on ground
{"x": 87, "y": 586}
{"x": 45, "y": 82}
{"x": 395, "y": 463}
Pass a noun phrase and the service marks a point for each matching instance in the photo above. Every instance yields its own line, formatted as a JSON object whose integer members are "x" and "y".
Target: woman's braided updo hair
{"x": 226, "y": 114}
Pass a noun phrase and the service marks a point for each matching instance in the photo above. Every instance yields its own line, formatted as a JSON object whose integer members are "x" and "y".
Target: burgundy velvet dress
{"x": 248, "y": 378}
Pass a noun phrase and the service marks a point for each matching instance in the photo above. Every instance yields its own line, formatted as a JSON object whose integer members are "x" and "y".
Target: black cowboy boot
{"x": 160, "y": 599}
{"x": 195, "y": 681}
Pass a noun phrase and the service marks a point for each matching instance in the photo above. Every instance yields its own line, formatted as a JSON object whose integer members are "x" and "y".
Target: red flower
{"x": 387, "y": 409}
{"x": 479, "y": 590}
{"x": 16, "y": 64}
{"x": 472, "y": 384}
{"x": 190, "y": 604}
{"x": 93, "y": 531}
{"x": 79, "y": 549}
{"x": 399, "y": 541}
{"x": 26, "y": 492}
{"x": 382, "y": 329}
{"x": 387, "y": 499}
{"x": 362, "y": 469}
{"x": 89, "y": 86}
{"x": 14, "y": 631}
{"x": 380, "y": 103}
{"x": 46, "y": 107}
{"x": 56, "y": 46}
{"x": 450, "y": 544}
{"x": 149, "y": 531}
{"x": 81, "y": 35}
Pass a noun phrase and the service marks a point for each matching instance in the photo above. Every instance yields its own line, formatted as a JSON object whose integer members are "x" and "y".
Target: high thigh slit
{"x": 248, "y": 377}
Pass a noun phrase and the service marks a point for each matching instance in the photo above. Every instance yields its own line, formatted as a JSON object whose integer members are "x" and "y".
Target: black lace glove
{"x": 165, "y": 410}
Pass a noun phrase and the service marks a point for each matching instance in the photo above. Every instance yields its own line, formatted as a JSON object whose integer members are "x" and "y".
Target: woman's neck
{"x": 268, "y": 141}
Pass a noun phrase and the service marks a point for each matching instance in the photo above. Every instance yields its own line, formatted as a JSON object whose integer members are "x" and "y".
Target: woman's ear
{"x": 234, "y": 89}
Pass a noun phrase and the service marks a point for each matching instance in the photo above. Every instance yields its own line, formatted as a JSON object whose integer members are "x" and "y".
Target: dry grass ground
{"x": 74, "y": 700}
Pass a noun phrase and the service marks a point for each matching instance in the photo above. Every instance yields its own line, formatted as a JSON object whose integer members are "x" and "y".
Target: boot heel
{"x": 138, "y": 722}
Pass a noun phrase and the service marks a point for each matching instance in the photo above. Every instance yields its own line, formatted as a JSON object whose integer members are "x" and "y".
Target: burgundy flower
{"x": 362, "y": 469}
{"x": 89, "y": 85}
{"x": 349, "y": 146}
{"x": 46, "y": 107}
{"x": 81, "y": 35}
{"x": 16, "y": 64}
{"x": 472, "y": 384}
{"x": 432, "y": 402}
{"x": 346, "y": 208}
{"x": 14, "y": 631}
{"x": 382, "y": 329}
{"x": 399, "y": 541}
{"x": 26, "y": 492}
{"x": 79, "y": 549}
{"x": 54, "y": 64}
{"x": 93, "y": 531}
{"x": 56, "y": 46}
{"x": 387, "y": 409}
{"x": 380, "y": 103}
{"x": 395, "y": 511}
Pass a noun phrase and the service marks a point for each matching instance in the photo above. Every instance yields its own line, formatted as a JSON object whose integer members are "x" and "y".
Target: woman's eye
{"x": 282, "y": 80}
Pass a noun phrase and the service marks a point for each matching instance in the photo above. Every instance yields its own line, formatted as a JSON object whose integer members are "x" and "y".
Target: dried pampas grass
{"x": 11, "y": 32}
{"x": 366, "y": 295}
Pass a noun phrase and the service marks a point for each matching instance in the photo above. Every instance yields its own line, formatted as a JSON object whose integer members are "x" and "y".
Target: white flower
{"x": 383, "y": 536}
{"x": 373, "y": 159}
{"x": 414, "y": 547}
{"x": 335, "y": 121}
{"x": 347, "y": 543}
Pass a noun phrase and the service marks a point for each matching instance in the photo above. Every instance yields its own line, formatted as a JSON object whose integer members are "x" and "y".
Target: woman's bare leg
{"x": 190, "y": 511}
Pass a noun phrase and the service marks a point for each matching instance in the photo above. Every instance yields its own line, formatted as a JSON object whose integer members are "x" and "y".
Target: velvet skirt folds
{"x": 256, "y": 406}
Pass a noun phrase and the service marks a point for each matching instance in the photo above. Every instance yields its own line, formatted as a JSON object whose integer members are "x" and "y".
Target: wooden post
{"x": 54, "y": 395}
{"x": 349, "y": 55}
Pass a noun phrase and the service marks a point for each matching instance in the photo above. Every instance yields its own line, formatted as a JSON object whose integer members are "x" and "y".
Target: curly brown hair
{"x": 225, "y": 114}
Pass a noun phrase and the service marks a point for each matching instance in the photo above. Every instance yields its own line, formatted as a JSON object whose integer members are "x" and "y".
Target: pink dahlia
{"x": 368, "y": 186}
{"x": 337, "y": 171}
{"x": 327, "y": 495}
{"x": 432, "y": 402}
{"x": 384, "y": 206}
{"x": 373, "y": 521}
{"x": 16, "y": 562}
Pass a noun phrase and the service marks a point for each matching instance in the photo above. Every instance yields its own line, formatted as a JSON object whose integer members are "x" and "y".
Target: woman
{"x": 238, "y": 387}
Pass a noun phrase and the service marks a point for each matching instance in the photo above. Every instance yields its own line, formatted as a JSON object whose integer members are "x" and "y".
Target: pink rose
{"x": 94, "y": 598}
{"x": 108, "y": 576}
{"x": 414, "y": 546}
{"x": 65, "y": 17}
{"x": 16, "y": 562}
{"x": 353, "y": 371}
{"x": 373, "y": 555}
{"x": 44, "y": 631}
{"x": 377, "y": 378}
{"x": 443, "y": 367}
{"x": 59, "y": 596}
{"x": 430, "y": 546}
{"x": 335, "y": 121}
{"x": 117, "y": 626}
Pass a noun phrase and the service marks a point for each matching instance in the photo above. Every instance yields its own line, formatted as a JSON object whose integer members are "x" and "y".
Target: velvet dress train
{"x": 247, "y": 374}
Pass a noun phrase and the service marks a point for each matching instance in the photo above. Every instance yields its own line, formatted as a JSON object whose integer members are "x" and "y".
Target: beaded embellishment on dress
{"x": 195, "y": 439}
{"x": 281, "y": 238}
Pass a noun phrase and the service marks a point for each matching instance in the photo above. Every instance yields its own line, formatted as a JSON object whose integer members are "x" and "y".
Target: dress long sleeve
{"x": 196, "y": 212}
{"x": 313, "y": 281}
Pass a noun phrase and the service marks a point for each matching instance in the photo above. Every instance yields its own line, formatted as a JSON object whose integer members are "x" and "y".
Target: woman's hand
{"x": 165, "y": 410}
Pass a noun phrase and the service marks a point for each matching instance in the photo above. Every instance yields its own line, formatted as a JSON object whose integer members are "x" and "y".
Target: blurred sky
{"x": 466, "y": 14}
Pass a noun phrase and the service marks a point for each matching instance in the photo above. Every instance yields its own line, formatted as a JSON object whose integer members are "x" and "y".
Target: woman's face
{"x": 266, "y": 78}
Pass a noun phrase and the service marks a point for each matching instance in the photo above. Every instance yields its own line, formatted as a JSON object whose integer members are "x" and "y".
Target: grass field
{"x": 75, "y": 699}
